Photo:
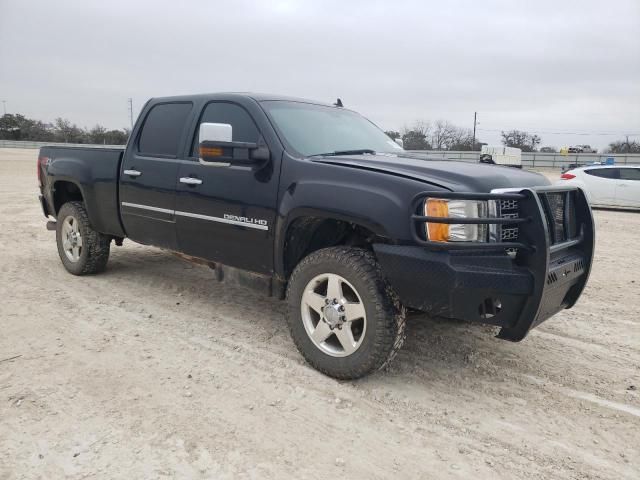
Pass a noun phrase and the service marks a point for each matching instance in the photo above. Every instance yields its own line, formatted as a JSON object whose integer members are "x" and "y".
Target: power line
{"x": 565, "y": 133}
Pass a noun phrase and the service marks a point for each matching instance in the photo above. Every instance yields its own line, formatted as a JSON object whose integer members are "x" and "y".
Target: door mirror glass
{"x": 399, "y": 142}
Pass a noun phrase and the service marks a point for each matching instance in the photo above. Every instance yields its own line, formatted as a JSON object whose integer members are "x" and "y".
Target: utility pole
{"x": 4, "y": 106}
{"x": 131, "y": 111}
{"x": 475, "y": 118}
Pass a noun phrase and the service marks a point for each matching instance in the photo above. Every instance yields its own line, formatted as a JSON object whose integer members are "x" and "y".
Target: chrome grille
{"x": 509, "y": 234}
{"x": 508, "y": 209}
{"x": 506, "y": 205}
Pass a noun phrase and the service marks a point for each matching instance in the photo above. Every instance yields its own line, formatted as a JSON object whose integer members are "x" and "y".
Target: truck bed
{"x": 95, "y": 170}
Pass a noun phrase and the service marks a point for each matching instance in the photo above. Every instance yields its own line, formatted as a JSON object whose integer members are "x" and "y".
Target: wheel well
{"x": 64, "y": 192}
{"x": 308, "y": 234}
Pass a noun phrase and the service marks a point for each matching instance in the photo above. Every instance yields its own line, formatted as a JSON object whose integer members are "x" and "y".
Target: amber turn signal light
{"x": 437, "y": 232}
{"x": 210, "y": 152}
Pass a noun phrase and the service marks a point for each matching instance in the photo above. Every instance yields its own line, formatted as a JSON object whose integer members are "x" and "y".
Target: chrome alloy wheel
{"x": 71, "y": 238}
{"x": 333, "y": 315}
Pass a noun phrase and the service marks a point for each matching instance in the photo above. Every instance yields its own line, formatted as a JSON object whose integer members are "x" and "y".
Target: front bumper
{"x": 486, "y": 284}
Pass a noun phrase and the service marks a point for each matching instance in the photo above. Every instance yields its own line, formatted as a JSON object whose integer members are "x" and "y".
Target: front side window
{"x": 163, "y": 129}
{"x": 243, "y": 127}
{"x": 311, "y": 129}
{"x": 603, "y": 172}
{"x": 630, "y": 174}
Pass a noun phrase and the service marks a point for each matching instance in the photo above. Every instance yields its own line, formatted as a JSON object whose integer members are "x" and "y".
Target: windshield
{"x": 317, "y": 129}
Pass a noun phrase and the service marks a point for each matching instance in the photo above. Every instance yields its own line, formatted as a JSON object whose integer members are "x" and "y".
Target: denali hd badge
{"x": 249, "y": 220}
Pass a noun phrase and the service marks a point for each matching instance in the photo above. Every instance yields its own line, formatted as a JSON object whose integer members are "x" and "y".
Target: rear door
{"x": 601, "y": 185}
{"x": 149, "y": 174}
{"x": 227, "y": 213}
{"x": 628, "y": 187}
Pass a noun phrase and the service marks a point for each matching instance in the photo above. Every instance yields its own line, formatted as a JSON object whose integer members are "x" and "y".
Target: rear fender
{"x": 99, "y": 192}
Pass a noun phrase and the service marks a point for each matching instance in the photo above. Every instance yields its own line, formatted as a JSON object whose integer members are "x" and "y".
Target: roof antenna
{"x": 338, "y": 103}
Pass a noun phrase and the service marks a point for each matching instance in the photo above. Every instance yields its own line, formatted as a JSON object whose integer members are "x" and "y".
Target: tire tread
{"x": 390, "y": 333}
{"x": 96, "y": 243}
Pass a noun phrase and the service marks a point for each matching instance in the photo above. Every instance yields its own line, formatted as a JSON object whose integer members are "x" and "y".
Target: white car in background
{"x": 607, "y": 185}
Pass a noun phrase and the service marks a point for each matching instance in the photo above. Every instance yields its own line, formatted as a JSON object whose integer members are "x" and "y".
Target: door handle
{"x": 190, "y": 180}
{"x": 132, "y": 173}
{"x": 622, "y": 184}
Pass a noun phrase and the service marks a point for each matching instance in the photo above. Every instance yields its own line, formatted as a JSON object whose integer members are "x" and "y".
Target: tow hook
{"x": 51, "y": 225}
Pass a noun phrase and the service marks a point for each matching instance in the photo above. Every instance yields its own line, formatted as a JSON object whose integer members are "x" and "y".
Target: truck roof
{"x": 259, "y": 97}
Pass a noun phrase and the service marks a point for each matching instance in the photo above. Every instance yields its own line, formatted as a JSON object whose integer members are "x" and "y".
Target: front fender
{"x": 382, "y": 211}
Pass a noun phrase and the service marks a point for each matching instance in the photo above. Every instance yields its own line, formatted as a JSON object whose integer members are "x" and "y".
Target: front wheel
{"x": 81, "y": 249}
{"x": 343, "y": 316}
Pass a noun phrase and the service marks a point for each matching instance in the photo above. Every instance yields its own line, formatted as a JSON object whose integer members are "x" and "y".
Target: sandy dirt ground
{"x": 154, "y": 370}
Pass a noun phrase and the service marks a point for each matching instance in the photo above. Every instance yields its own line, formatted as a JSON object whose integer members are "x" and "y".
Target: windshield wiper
{"x": 345, "y": 152}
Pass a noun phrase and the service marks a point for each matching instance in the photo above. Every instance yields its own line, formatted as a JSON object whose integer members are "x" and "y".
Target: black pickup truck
{"x": 313, "y": 203}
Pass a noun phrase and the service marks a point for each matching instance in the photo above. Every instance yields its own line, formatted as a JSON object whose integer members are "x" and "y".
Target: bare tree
{"x": 462, "y": 139}
{"x": 525, "y": 141}
{"x": 624, "y": 146}
{"x": 444, "y": 134}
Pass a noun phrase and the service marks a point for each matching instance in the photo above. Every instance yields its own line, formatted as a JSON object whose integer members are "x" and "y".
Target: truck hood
{"x": 453, "y": 175}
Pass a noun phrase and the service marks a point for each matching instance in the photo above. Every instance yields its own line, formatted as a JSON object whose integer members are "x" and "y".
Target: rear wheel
{"x": 81, "y": 249}
{"x": 343, "y": 316}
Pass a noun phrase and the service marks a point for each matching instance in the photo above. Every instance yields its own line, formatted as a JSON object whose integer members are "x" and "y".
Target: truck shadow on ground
{"x": 432, "y": 344}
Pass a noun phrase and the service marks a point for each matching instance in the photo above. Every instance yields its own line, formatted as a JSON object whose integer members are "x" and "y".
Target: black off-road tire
{"x": 94, "y": 253}
{"x": 385, "y": 316}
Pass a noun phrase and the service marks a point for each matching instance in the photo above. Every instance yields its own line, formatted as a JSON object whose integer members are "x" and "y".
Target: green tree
{"x": 67, "y": 132}
{"x": 97, "y": 135}
{"x": 393, "y": 134}
{"x": 116, "y": 137}
{"x": 416, "y": 137}
{"x": 19, "y": 127}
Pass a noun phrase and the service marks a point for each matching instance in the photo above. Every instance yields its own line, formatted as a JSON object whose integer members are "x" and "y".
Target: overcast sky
{"x": 542, "y": 66}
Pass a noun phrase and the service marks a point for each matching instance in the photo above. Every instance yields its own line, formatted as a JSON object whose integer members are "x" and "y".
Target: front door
{"x": 227, "y": 213}
{"x": 149, "y": 174}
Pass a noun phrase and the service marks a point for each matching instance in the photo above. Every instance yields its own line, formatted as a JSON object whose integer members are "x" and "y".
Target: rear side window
{"x": 243, "y": 127}
{"x": 604, "y": 172}
{"x": 163, "y": 129}
{"x": 630, "y": 174}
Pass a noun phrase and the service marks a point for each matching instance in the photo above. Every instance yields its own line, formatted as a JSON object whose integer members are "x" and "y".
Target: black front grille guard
{"x": 536, "y": 249}
{"x": 539, "y": 214}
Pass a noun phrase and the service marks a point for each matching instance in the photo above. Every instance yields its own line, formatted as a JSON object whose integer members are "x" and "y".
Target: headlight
{"x": 455, "y": 232}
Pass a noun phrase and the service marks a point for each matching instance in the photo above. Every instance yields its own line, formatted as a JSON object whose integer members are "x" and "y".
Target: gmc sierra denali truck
{"x": 314, "y": 204}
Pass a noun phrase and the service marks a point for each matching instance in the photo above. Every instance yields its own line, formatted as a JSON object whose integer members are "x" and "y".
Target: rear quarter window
{"x": 630, "y": 174}
{"x": 603, "y": 172}
{"x": 163, "y": 128}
